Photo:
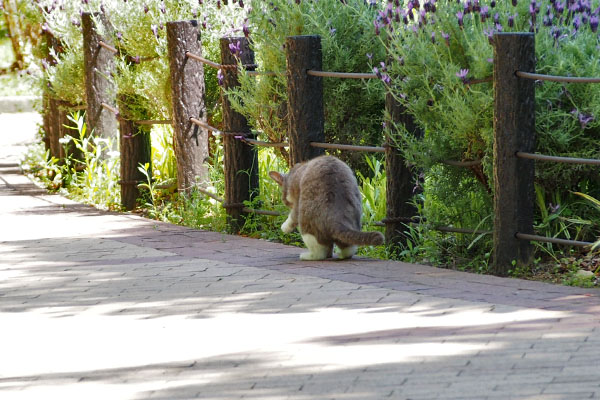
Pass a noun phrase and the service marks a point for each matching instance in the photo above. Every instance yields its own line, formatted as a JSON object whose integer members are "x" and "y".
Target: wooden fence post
{"x": 399, "y": 177}
{"x": 240, "y": 158}
{"x": 190, "y": 142}
{"x": 514, "y": 130}
{"x": 51, "y": 123}
{"x": 135, "y": 149}
{"x": 305, "y": 97}
{"x": 99, "y": 65}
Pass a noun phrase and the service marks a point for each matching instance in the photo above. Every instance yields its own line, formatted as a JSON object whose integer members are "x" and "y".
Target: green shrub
{"x": 440, "y": 48}
{"x": 353, "y": 108}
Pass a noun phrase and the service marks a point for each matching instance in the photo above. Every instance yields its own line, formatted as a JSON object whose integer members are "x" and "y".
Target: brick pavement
{"x": 102, "y": 305}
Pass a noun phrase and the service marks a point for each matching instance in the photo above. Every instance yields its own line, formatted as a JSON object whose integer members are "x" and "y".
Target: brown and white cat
{"x": 325, "y": 205}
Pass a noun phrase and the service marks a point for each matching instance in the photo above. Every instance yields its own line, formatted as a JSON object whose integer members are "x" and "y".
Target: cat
{"x": 326, "y": 206}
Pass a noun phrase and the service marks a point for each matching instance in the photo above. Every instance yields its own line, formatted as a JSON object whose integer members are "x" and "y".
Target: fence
{"x": 514, "y": 131}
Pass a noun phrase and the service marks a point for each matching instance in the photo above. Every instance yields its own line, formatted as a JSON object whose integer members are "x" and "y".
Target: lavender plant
{"x": 441, "y": 49}
{"x": 353, "y": 109}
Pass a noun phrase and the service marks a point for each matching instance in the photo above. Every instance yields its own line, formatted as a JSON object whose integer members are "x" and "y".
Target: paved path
{"x": 99, "y": 305}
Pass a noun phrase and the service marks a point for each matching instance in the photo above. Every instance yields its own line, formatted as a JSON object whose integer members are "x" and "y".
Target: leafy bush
{"x": 438, "y": 50}
{"x": 353, "y": 109}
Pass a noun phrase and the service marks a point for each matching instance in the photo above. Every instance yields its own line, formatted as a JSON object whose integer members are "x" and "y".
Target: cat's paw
{"x": 347, "y": 252}
{"x": 287, "y": 226}
{"x": 308, "y": 256}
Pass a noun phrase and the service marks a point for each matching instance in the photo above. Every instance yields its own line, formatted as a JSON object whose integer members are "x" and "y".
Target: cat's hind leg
{"x": 346, "y": 252}
{"x": 316, "y": 251}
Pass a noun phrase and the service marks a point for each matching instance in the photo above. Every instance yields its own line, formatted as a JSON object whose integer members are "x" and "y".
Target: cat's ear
{"x": 277, "y": 177}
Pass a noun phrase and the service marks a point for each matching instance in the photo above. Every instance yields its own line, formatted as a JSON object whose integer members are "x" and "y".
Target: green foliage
{"x": 432, "y": 75}
{"x": 88, "y": 174}
{"x": 353, "y": 108}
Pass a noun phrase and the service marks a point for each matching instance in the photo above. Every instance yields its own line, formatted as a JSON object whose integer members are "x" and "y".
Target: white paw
{"x": 308, "y": 256}
{"x": 347, "y": 252}
{"x": 287, "y": 226}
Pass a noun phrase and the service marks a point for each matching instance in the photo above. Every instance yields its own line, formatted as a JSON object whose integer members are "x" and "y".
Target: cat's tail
{"x": 358, "y": 237}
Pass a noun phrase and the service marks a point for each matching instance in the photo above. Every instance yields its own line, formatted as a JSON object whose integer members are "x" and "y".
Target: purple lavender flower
{"x": 511, "y": 21}
{"x": 577, "y": 22}
{"x": 594, "y": 23}
{"x": 460, "y": 16}
{"x": 514, "y": 3}
{"x": 236, "y": 48}
{"x": 377, "y": 72}
{"x": 490, "y": 35}
{"x": 377, "y": 27}
{"x": 245, "y": 28}
{"x": 220, "y": 77}
{"x": 154, "y": 29}
{"x": 433, "y": 37}
{"x": 146, "y": 9}
{"x": 584, "y": 119}
{"x": 462, "y": 75}
{"x": 533, "y": 8}
{"x": 369, "y": 56}
{"x": 559, "y": 7}
{"x": 484, "y": 13}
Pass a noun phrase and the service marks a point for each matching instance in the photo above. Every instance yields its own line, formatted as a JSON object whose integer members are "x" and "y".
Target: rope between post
{"x": 213, "y": 64}
{"x": 233, "y": 205}
{"x": 108, "y": 47}
{"x": 567, "y": 160}
{"x": 342, "y": 75}
{"x": 113, "y": 110}
{"x": 335, "y": 146}
{"x": 544, "y": 239}
{"x": 154, "y": 122}
{"x": 555, "y": 78}
{"x": 214, "y": 130}
{"x": 264, "y": 144}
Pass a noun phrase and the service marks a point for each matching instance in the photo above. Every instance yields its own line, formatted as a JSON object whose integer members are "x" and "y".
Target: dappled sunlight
{"x": 327, "y": 339}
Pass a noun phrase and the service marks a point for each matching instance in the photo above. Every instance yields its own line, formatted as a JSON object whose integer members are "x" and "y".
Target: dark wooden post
{"x": 240, "y": 158}
{"x": 135, "y": 150}
{"x": 51, "y": 123}
{"x": 400, "y": 179}
{"x": 514, "y": 130}
{"x": 305, "y": 97}
{"x": 190, "y": 142}
{"x": 52, "y": 126}
{"x": 99, "y": 65}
